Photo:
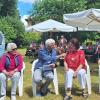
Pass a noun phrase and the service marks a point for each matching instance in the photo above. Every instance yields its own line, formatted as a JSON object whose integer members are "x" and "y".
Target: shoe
{"x": 2, "y": 98}
{"x": 38, "y": 94}
{"x": 45, "y": 93}
{"x": 13, "y": 97}
{"x": 84, "y": 93}
{"x": 67, "y": 97}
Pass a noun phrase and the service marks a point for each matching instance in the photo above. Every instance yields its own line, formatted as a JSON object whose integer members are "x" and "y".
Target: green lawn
{"x": 27, "y": 95}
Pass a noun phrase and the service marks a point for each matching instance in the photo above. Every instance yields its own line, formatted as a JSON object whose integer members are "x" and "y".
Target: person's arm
{"x": 5, "y": 72}
{"x": 65, "y": 63}
{"x": 80, "y": 67}
{"x": 77, "y": 70}
{"x": 53, "y": 56}
{"x": 2, "y": 65}
{"x": 61, "y": 55}
{"x": 82, "y": 61}
{"x": 66, "y": 66}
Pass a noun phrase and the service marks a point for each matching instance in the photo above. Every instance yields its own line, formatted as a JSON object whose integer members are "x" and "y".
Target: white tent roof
{"x": 51, "y": 25}
{"x": 87, "y": 20}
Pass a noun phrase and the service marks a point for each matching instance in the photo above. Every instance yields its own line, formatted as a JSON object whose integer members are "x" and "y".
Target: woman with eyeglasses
{"x": 74, "y": 63}
{"x": 10, "y": 66}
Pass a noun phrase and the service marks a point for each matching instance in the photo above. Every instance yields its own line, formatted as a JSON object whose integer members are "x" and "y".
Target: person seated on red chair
{"x": 74, "y": 63}
{"x": 10, "y": 67}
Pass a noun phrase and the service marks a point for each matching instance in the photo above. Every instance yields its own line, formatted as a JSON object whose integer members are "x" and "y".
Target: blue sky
{"x": 25, "y": 6}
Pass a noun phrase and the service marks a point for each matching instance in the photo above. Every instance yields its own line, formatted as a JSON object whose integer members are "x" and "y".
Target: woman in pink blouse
{"x": 10, "y": 66}
{"x": 74, "y": 63}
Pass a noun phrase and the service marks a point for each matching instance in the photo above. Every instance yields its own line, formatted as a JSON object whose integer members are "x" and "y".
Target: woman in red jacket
{"x": 74, "y": 63}
{"x": 10, "y": 66}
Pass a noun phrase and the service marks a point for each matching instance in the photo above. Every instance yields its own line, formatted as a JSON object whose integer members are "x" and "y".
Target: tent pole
{"x": 50, "y": 34}
{"x": 77, "y": 29}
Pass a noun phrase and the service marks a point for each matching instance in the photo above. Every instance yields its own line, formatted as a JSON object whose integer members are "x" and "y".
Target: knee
{"x": 50, "y": 78}
{"x": 37, "y": 80}
{"x": 69, "y": 74}
{"x": 2, "y": 76}
{"x": 16, "y": 75}
{"x": 81, "y": 72}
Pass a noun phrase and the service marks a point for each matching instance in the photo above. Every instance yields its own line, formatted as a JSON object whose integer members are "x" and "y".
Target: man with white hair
{"x": 44, "y": 66}
{"x": 10, "y": 66}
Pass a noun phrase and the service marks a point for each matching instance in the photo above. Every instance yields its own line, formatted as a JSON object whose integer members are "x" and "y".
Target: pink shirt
{"x": 74, "y": 59}
{"x": 12, "y": 62}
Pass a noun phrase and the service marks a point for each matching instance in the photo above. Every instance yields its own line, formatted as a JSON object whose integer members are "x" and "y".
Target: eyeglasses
{"x": 14, "y": 49}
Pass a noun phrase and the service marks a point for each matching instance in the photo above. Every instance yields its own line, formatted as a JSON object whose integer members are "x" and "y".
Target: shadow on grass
{"x": 95, "y": 88}
{"x": 8, "y": 92}
{"x": 94, "y": 72}
{"x": 28, "y": 91}
{"x": 76, "y": 91}
{"x": 61, "y": 89}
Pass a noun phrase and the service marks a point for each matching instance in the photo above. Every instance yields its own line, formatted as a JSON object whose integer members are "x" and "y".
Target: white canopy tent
{"x": 51, "y": 26}
{"x": 85, "y": 20}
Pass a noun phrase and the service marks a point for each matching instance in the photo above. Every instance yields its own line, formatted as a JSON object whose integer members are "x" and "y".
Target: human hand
{"x": 5, "y": 72}
{"x": 75, "y": 74}
{"x": 63, "y": 54}
{"x": 52, "y": 65}
{"x": 11, "y": 73}
{"x": 99, "y": 61}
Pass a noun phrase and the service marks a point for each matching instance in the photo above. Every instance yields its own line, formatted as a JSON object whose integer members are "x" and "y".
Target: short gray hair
{"x": 49, "y": 41}
{"x": 11, "y": 46}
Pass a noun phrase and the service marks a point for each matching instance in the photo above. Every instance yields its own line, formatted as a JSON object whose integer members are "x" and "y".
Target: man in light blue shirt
{"x": 44, "y": 66}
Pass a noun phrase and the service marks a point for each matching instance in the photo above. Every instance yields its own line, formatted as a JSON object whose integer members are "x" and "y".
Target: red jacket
{"x": 12, "y": 65}
{"x": 74, "y": 59}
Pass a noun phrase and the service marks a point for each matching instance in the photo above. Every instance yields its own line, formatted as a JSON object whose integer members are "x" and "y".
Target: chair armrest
{"x": 33, "y": 65}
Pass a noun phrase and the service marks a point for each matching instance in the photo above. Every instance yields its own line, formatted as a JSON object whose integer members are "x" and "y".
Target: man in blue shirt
{"x": 45, "y": 65}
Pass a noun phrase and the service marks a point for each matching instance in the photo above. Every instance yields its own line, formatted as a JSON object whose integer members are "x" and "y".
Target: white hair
{"x": 49, "y": 42}
{"x": 11, "y": 46}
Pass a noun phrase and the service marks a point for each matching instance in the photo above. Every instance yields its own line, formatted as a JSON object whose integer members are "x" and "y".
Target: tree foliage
{"x": 7, "y": 29}
{"x": 31, "y": 36}
{"x": 8, "y": 8}
{"x": 93, "y": 4}
{"x": 18, "y": 29}
{"x": 10, "y": 23}
{"x": 55, "y": 9}
{"x": 13, "y": 29}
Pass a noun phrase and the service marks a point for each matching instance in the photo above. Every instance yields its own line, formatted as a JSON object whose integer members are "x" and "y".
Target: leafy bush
{"x": 31, "y": 36}
{"x": 7, "y": 29}
{"x": 13, "y": 29}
